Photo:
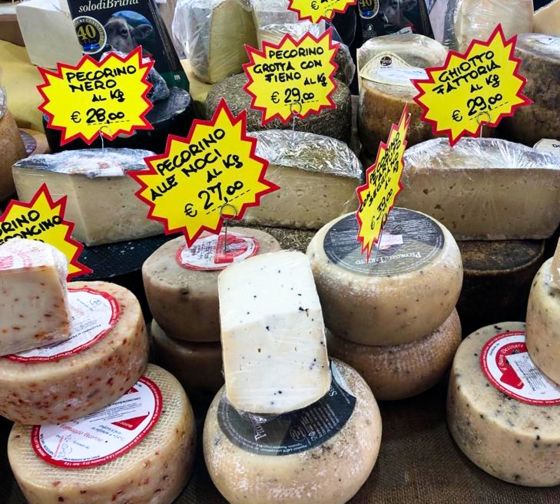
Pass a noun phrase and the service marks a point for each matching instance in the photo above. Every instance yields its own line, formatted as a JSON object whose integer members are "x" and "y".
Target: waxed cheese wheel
{"x": 406, "y": 291}
{"x": 197, "y": 366}
{"x": 105, "y": 355}
{"x": 502, "y": 412}
{"x": 402, "y": 371}
{"x": 282, "y": 461}
{"x": 181, "y": 283}
{"x": 155, "y": 462}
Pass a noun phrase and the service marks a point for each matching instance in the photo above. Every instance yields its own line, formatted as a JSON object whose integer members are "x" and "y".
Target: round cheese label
{"x": 409, "y": 242}
{"x": 507, "y": 365}
{"x": 103, "y": 436}
{"x": 213, "y": 253}
{"x": 93, "y": 314}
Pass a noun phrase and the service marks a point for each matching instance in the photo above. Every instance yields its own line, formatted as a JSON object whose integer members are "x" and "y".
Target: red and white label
{"x": 24, "y": 255}
{"x": 93, "y": 315}
{"x": 508, "y": 367}
{"x": 212, "y": 254}
{"x": 103, "y": 436}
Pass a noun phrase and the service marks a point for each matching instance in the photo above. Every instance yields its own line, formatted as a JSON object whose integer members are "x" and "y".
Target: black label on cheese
{"x": 409, "y": 241}
{"x": 293, "y": 432}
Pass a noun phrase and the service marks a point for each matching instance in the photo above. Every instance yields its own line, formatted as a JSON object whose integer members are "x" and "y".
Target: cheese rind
{"x": 402, "y": 371}
{"x": 513, "y": 441}
{"x": 33, "y": 297}
{"x": 273, "y": 334}
{"x": 330, "y": 473}
{"x": 154, "y": 471}
{"x": 11, "y": 150}
{"x": 555, "y": 267}
{"x": 58, "y": 390}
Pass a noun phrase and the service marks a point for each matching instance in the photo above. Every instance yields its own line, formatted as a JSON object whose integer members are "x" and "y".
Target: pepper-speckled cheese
{"x": 398, "y": 372}
{"x": 273, "y": 334}
{"x": 511, "y": 440}
{"x": 152, "y": 472}
{"x": 330, "y": 473}
{"x": 34, "y": 393}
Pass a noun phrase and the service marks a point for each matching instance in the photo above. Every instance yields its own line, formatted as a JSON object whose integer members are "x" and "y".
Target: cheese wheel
{"x": 11, "y": 150}
{"x": 153, "y": 471}
{"x": 398, "y": 372}
{"x": 507, "y": 426}
{"x": 282, "y": 461}
{"x": 543, "y": 323}
{"x": 105, "y": 355}
{"x": 182, "y": 284}
{"x": 197, "y": 366}
{"x": 406, "y": 291}
{"x": 289, "y": 239}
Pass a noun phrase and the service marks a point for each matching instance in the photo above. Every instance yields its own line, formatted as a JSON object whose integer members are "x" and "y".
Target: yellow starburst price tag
{"x": 317, "y": 10}
{"x": 200, "y": 180}
{"x": 42, "y": 219}
{"x": 293, "y": 77}
{"x": 92, "y": 98}
{"x": 383, "y": 184}
{"x": 473, "y": 89}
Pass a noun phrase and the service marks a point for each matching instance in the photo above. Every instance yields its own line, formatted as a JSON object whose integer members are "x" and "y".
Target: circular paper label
{"x": 212, "y": 254}
{"x": 507, "y": 365}
{"x": 104, "y": 435}
{"x": 92, "y": 315}
{"x": 91, "y": 34}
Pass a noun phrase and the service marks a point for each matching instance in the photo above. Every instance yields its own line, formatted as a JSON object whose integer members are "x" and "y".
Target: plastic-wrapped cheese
{"x": 502, "y": 412}
{"x": 11, "y": 150}
{"x": 484, "y": 189}
{"x": 267, "y": 12}
{"x": 321, "y": 454}
{"x": 181, "y": 283}
{"x": 386, "y": 66}
{"x": 101, "y": 196}
{"x": 139, "y": 449}
{"x": 317, "y": 177}
{"x": 543, "y": 323}
{"x": 402, "y": 371}
{"x": 407, "y": 290}
{"x": 547, "y": 19}
{"x": 198, "y": 90}
{"x": 105, "y": 355}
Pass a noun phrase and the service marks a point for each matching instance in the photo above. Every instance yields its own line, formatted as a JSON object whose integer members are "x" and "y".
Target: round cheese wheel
{"x": 198, "y": 366}
{"x": 289, "y": 239}
{"x": 105, "y": 355}
{"x": 407, "y": 290}
{"x": 502, "y": 412}
{"x": 543, "y": 323}
{"x": 398, "y": 372}
{"x": 104, "y": 459}
{"x": 323, "y": 453}
{"x": 181, "y": 283}
{"x": 11, "y": 150}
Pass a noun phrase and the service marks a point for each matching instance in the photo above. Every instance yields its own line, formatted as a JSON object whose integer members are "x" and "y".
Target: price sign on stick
{"x": 108, "y": 97}
{"x": 317, "y": 10}
{"x": 293, "y": 77}
{"x": 201, "y": 180}
{"x": 383, "y": 184}
{"x": 42, "y": 219}
{"x": 473, "y": 89}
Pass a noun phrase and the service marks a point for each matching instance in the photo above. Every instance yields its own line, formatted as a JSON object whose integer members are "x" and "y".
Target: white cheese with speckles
{"x": 273, "y": 334}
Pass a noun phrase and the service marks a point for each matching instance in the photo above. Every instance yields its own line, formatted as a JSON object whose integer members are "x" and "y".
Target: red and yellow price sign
{"x": 383, "y": 184}
{"x": 317, "y": 10}
{"x": 200, "y": 180}
{"x": 473, "y": 89}
{"x": 92, "y": 98}
{"x": 42, "y": 219}
{"x": 293, "y": 77}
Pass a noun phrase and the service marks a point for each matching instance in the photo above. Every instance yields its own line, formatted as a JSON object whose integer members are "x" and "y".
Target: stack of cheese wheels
{"x": 503, "y": 413}
{"x": 392, "y": 318}
{"x": 181, "y": 285}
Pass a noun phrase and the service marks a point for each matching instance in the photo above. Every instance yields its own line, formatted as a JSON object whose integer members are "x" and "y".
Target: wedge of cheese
{"x": 547, "y": 19}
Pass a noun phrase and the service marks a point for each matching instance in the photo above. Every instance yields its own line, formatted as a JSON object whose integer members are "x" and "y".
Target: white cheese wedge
{"x": 508, "y": 426}
{"x": 33, "y": 300}
{"x": 273, "y": 334}
{"x": 547, "y": 19}
{"x": 11, "y": 150}
{"x": 105, "y": 355}
{"x": 321, "y": 454}
{"x": 154, "y": 470}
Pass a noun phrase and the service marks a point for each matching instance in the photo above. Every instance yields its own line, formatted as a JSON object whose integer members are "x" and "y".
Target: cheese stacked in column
{"x": 502, "y": 412}
{"x": 138, "y": 450}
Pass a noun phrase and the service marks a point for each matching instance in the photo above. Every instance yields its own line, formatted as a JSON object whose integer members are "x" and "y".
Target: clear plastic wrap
{"x": 268, "y": 12}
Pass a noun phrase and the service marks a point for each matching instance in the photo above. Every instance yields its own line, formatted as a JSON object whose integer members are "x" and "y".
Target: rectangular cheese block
{"x": 33, "y": 298}
{"x": 101, "y": 196}
{"x": 273, "y": 334}
{"x": 48, "y": 33}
